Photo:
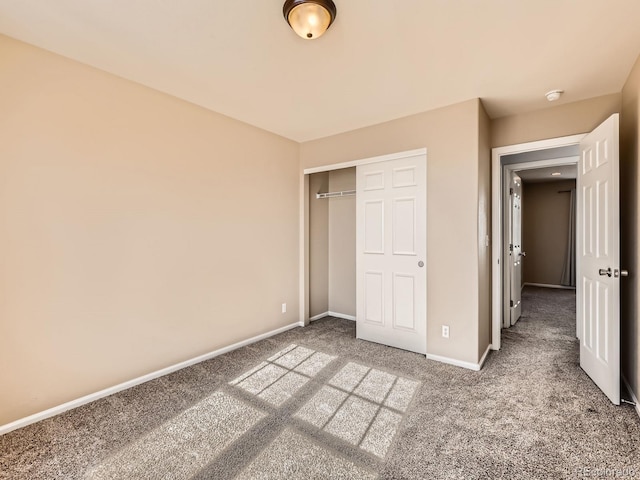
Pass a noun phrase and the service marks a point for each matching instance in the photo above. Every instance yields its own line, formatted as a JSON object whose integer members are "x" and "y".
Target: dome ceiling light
{"x": 309, "y": 18}
{"x": 553, "y": 95}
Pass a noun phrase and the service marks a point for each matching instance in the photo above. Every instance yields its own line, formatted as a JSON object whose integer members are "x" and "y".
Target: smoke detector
{"x": 553, "y": 95}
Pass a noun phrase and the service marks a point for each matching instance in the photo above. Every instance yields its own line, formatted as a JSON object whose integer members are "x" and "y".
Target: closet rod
{"x": 344, "y": 193}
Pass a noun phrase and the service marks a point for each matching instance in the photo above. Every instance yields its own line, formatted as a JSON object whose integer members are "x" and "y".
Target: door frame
{"x": 304, "y": 216}
{"x": 499, "y": 275}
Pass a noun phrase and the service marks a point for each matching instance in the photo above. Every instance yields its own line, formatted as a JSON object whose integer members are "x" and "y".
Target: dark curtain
{"x": 569, "y": 269}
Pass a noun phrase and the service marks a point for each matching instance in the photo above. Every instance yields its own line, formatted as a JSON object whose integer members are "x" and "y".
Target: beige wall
{"x": 630, "y": 228}
{"x": 451, "y": 137}
{"x": 545, "y": 230}
{"x": 342, "y": 243}
{"x": 563, "y": 120}
{"x": 136, "y": 230}
{"x": 484, "y": 227}
{"x": 318, "y": 245}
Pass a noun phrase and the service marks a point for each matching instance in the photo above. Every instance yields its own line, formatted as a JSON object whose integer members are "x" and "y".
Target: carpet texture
{"x": 315, "y": 402}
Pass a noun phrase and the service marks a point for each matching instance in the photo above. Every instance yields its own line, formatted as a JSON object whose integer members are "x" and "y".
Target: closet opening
{"x": 363, "y": 232}
{"x": 332, "y": 244}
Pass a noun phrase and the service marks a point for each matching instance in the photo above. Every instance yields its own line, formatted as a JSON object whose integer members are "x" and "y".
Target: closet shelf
{"x": 344, "y": 193}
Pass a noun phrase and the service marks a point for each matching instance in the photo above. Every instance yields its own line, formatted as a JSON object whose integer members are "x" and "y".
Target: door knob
{"x": 421, "y": 264}
{"x": 606, "y": 272}
{"x": 621, "y": 273}
{"x": 523, "y": 254}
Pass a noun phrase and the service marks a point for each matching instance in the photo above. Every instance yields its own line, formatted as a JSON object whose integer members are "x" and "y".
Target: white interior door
{"x": 515, "y": 248}
{"x": 598, "y": 258}
{"x": 391, "y": 286}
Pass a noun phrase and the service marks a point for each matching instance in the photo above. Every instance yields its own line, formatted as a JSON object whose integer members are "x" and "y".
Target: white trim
{"x": 343, "y": 316}
{"x": 303, "y": 253}
{"x": 539, "y": 145}
{"x": 460, "y": 363}
{"x": 319, "y": 316}
{"x": 36, "y": 417}
{"x": 496, "y": 219}
{"x": 633, "y": 395}
{"x": 365, "y": 161}
{"x": 332, "y": 314}
{"x": 548, "y": 285}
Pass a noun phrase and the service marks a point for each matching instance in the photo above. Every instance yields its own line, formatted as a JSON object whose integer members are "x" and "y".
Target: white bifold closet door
{"x": 391, "y": 285}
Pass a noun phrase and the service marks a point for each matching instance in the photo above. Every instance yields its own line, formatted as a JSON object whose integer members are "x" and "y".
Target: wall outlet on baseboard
{"x": 445, "y": 331}
{"x": 284, "y": 308}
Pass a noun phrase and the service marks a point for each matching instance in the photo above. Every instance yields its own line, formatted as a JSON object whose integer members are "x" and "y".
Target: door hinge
{"x": 511, "y": 247}
{"x": 511, "y": 303}
{"x": 511, "y": 191}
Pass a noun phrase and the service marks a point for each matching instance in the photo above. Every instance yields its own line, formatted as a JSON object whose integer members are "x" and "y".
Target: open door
{"x": 515, "y": 248}
{"x": 598, "y": 257}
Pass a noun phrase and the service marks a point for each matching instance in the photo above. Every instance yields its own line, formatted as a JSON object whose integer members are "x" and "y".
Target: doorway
{"x": 598, "y": 245}
{"x": 549, "y": 226}
{"x": 332, "y": 244}
{"x": 542, "y": 250}
{"x": 539, "y": 226}
{"x": 509, "y": 165}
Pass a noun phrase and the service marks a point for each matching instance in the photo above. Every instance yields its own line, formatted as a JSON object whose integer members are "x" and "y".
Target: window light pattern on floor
{"x": 293, "y": 456}
{"x": 283, "y": 374}
{"x": 362, "y": 406}
{"x": 181, "y": 446}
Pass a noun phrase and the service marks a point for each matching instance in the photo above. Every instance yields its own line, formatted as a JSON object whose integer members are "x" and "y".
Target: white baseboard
{"x": 633, "y": 395}
{"x": 319, "y": 316}
{"x": 547, "y": 285}
{"x": 333, "y": 314}
{"x": 36, "y": 417}
{"x": 460, "y": 363}
{"x": 343, "y": 316}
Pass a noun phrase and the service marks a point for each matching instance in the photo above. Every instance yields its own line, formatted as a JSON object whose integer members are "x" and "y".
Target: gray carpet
{"x": 316, "y": 403}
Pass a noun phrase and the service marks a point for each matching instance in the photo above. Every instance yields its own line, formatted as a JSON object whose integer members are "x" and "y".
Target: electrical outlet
{"x": 445, "y": 331}
{"x": 284, "y": 308}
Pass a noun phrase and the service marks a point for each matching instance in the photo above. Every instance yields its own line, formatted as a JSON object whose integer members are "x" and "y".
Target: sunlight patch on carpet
{"x": 279, "y": 377}
{"x": 182, "y": 446}
{"x": 295, "y": 457}
{"x": 362, "y": 406}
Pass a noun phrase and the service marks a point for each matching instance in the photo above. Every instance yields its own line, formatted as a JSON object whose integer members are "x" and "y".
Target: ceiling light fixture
{"x": 556, "y": 174}
{"x": 553, "y": 95}
{"x": 309, "y": 18}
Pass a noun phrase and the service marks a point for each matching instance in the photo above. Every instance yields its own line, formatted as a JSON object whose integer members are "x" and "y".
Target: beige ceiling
{"x": 382, "y": 59}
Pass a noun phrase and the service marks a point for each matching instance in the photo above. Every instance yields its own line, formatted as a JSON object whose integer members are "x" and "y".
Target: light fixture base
{"x": 553, "y": 95}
